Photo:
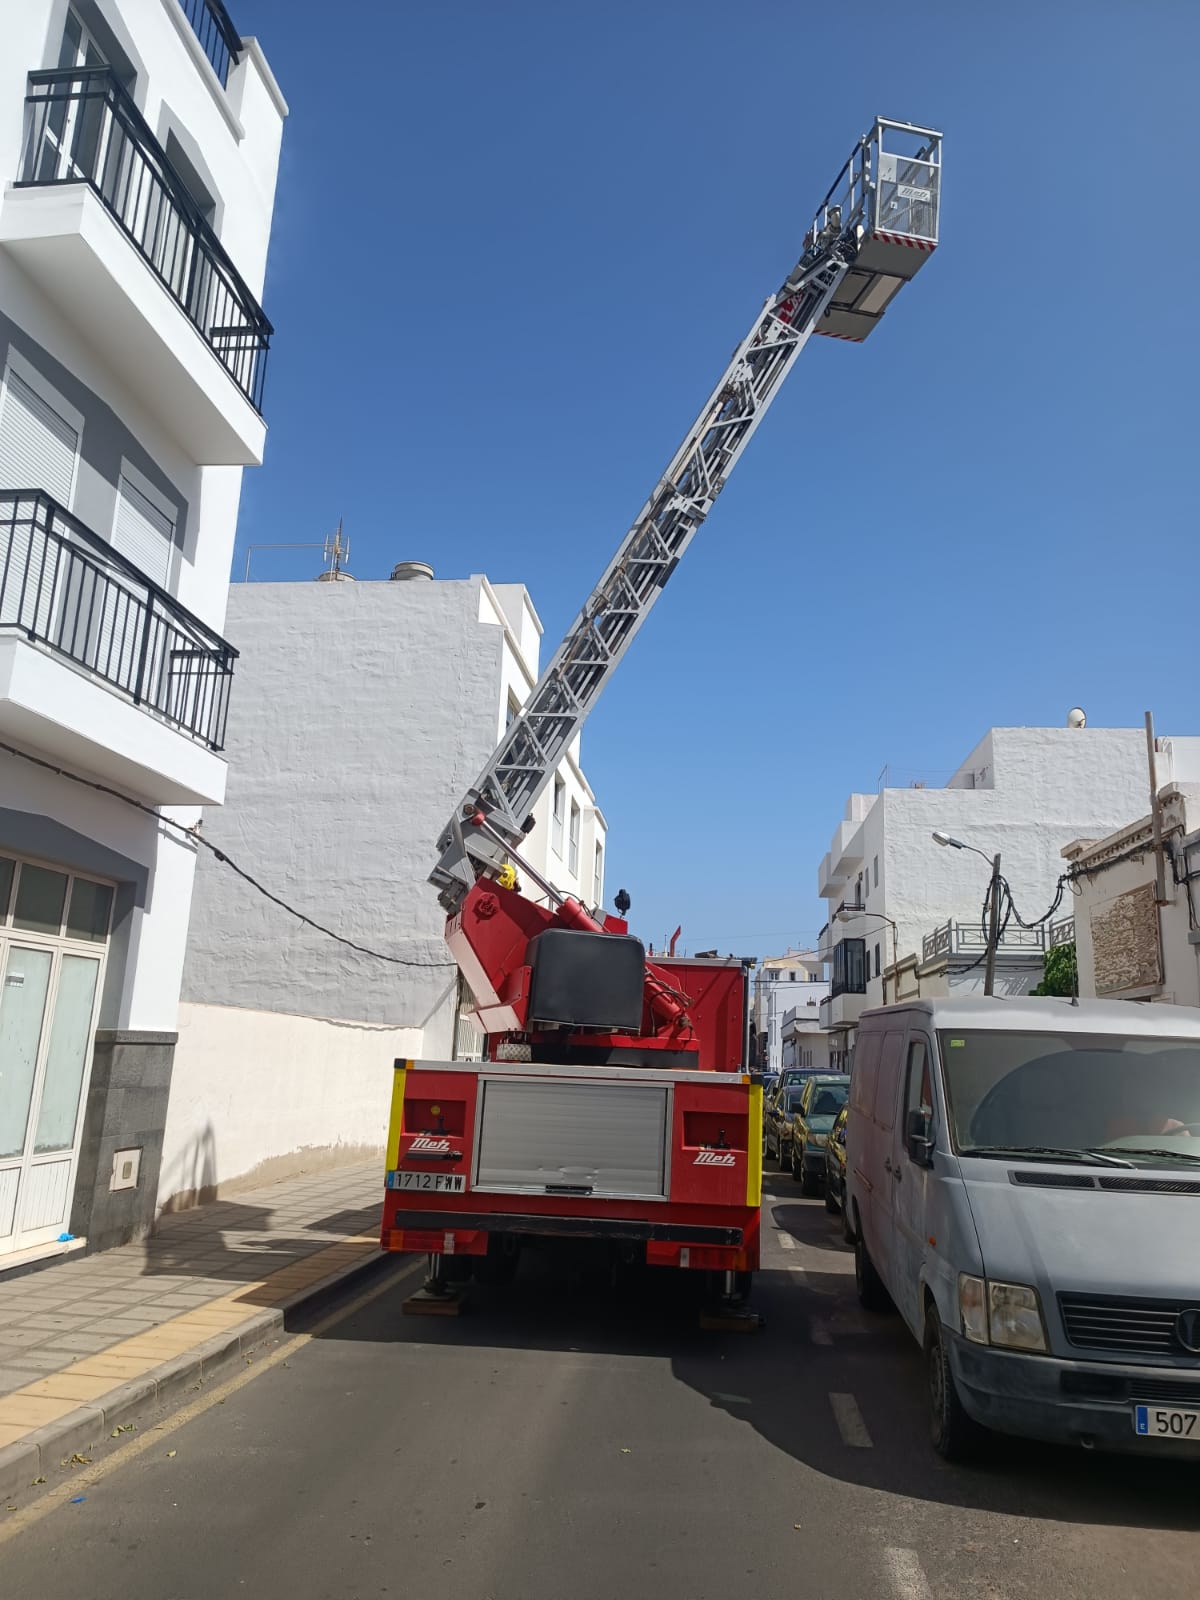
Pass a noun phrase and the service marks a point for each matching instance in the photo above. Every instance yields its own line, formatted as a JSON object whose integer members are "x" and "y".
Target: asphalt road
{"x": 557, "y": 1444}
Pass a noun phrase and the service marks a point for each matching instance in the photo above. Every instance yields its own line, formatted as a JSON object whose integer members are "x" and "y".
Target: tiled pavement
{"x": 74, "y": 1332}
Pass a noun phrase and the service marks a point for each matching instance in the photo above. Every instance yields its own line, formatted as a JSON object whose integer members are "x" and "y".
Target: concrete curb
{"x": 44, "y": 1449}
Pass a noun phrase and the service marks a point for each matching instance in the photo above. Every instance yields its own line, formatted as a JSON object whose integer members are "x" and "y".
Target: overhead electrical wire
{"x": 198, "y": 838}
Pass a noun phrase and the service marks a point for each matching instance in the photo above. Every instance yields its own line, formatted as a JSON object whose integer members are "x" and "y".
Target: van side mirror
{"x": 919, "y": 1133}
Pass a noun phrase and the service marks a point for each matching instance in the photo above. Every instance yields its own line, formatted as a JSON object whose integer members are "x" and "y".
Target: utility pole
{"x": 989, "y": 972}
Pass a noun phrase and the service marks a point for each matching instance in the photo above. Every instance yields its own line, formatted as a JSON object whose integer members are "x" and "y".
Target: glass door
{"x": 76, "y": 128}
{"x": 49, "y": 993}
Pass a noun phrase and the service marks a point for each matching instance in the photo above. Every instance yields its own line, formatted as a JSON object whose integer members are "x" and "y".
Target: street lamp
{"x": 848, "y": 913}
{"x": 993, "y": 939}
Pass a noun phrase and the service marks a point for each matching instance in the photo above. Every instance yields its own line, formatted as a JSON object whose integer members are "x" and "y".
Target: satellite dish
{"x": 1077, "y": 717}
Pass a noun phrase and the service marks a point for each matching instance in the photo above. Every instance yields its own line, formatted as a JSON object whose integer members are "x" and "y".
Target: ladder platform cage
{"x": 887, "y": 198}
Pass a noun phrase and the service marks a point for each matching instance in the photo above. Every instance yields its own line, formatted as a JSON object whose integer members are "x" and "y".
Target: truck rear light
{"x": 698, "y": 1257}
{"x": 439, "y": 1241}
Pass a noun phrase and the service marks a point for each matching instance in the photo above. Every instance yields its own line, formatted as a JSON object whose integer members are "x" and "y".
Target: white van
{"x": 1023, "y": 1184}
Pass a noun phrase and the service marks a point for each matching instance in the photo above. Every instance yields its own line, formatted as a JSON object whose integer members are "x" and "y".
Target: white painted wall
{"x": 1026, "y": 792}
{"x": 257, "y": 1095}
{"x": 362, "y": 713}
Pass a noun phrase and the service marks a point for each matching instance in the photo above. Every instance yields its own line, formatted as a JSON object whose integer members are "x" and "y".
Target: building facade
{"x": 905, "y": 915}
{"x": 791, "y": 982}
{"x": 365, "y": 711}
{"x": 1136, "y": 932}
{"x": 139, "y": 144}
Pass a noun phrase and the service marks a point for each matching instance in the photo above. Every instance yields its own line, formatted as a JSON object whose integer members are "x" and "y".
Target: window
{"x": 573, "y": 842}
{"x": 39, "y": 435}
{"x": 875, "y": 871}
{"x": 560, "y": 814}
{"x": 511, "y": 714}
{"x": 918, "y": 1093}
{"x": 849, "y": 967}
{"x": 858, "y": 891}
{"x": 791, "y": 977}
{"x": 144, "y": 526}
{"x": 876, "y": 960}
{"x": 598, "y": 878}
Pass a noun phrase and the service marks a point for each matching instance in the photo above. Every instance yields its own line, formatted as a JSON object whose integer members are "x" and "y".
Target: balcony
{"x": 107, "y": 229}
{"x": 968, "y": 941}
{"x": 218, "y": 37}
{"x": 839, "y": 1012}
{"x": 100, "y": 668}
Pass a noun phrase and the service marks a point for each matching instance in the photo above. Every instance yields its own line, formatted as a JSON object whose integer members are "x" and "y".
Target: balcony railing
{"x": 218, "y": 37}
{"x": 969, "y": 939}
{"x": 1062, "y": 932}
{"x": 82, "y": 127}
{"x": 62, "y": 586}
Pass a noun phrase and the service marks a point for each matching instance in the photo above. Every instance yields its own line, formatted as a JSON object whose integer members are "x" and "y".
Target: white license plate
{"x": 1164, "y": 1422}
{"x": 430, "y": 1182}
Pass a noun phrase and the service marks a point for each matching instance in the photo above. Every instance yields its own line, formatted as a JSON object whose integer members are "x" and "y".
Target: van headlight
{"x": 1007, "y": 1315}
{"x": 1015, "y": 1317}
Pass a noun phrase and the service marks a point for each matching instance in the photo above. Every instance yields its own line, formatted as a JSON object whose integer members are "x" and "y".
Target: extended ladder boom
{"x": 872, "y": 232}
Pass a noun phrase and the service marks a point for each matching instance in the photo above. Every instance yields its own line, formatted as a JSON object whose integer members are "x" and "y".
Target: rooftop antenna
{"x": 335, "y": 552}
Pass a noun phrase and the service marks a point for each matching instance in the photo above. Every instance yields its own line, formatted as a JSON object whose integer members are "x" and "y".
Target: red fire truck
{"x": 613, "y": 1102}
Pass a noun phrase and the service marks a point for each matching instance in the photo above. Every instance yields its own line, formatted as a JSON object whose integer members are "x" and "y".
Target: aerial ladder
{"x": 614, "y": 1102}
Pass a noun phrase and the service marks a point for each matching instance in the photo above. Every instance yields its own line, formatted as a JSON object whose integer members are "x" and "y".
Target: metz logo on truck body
{"x": 430, "y": 1146}
{"x": 715, "y": 1158}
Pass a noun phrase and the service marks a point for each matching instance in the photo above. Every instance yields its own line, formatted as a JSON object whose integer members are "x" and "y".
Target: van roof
{"x": 1035, "y": 1013}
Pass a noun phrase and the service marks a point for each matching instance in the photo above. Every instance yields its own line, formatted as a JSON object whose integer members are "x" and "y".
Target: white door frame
{"x": 57, "y": 945}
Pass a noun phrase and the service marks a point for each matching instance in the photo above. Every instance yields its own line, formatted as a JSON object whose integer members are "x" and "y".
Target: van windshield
{"x": 1072, "y": 1093}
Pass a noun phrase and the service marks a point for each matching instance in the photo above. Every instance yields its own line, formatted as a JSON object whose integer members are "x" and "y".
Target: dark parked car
{"x": 835, "y": 1171}
{"x": 821, "y": 1099}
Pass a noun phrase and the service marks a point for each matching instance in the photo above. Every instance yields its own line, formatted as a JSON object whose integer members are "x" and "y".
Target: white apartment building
{"x": 904, "y": 914}
{"x": 139, "y": 143}
{"x": 1133, "y": 942}
{"x": 791, "y": 982}
{"x": 365, "y": 711}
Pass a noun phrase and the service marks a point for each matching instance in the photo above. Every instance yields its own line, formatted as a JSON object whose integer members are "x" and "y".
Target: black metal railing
{"x": 82, "y": 127}
{"x": 218, "y": 37}
{"x": 62, "y": 586}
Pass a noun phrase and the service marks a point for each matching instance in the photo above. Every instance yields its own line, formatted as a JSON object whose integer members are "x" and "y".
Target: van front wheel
{"x": 954, "y": 1435}
{"x": 872, "y": 1296}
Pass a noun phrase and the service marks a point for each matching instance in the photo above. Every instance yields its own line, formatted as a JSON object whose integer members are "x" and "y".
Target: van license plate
{"x": 430, "y": 1182}
{"x": 1158, "y": 1422}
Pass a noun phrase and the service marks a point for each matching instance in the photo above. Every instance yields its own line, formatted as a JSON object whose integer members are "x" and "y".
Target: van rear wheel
{"x": 954, "y": 1435}
{"x": 872, "y": 1296}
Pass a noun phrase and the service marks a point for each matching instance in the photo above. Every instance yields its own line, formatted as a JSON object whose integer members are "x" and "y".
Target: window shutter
{"x": 38, "y": 449}
{"x": 37, "y": 446}
{"x": 143, "y": 532}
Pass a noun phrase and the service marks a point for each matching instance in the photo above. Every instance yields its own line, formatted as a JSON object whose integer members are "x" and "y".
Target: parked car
{"x": 821, "y": 1098}
{"x": 835, "y": 1170}
{"x": 777, "y": 1125}
{"x": 1022, "y": 1178}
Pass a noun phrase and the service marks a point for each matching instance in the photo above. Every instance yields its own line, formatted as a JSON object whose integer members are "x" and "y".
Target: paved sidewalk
{"x": 88, "y": 1343}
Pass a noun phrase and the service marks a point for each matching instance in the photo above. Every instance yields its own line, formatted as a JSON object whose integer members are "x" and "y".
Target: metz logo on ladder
{"x": 430, "y": 1146}
{"x": 715, "y": 1158}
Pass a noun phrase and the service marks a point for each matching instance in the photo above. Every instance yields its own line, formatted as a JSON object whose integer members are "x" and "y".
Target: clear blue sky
{"x": 515, "y": 242}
